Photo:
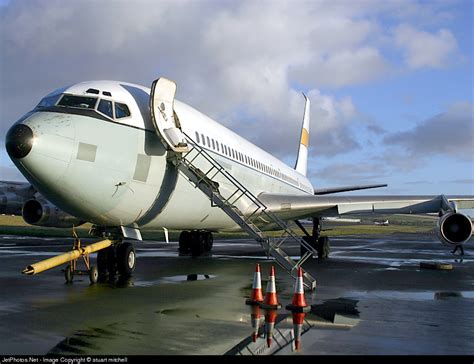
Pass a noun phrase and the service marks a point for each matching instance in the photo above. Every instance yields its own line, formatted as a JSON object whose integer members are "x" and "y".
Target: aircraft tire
{"x": 326, "y": 246}
{"x": 198, "y": 243}
{"x": 93, "y": 274}
{"x": 126, "y": 259}
{"x": 209, "y": 241}
{"x": 106, "y": 262}
{"x": 102, "y": 263}
{"x": 69, "y": 274}
{"x": 323, "y": 247}
{"x": 185, "y": 242}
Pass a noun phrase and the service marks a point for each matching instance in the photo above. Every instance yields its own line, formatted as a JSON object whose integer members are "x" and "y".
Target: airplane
{"x": 127, "y": 158}
{"x": 383, "y": 223}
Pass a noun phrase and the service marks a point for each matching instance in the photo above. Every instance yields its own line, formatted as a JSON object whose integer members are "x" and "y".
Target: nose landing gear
{"x": 117, "y": 259}
{"x": 113, "y": 256}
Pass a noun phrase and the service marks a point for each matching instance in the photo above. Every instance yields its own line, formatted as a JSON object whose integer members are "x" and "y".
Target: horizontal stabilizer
{"x": 326, "y": 191}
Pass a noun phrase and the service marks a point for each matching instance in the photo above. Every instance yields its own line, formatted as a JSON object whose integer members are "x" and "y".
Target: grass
{"x": 14, "y": 225}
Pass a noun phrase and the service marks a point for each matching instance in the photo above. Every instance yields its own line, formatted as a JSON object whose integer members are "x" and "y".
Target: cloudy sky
{"x": 391, "y": 82}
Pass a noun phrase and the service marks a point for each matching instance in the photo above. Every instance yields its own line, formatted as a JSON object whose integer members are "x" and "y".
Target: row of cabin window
{"x": 230, "y": 152}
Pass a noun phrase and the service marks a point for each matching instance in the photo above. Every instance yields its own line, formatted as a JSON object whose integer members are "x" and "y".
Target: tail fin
{"x": 302, "y": 160}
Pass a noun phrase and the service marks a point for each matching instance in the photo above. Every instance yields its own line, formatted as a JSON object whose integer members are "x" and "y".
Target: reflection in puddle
{"x": 444, "y": 295}
{"x": 341, "y": 307}
{"x": 272, "y": 332}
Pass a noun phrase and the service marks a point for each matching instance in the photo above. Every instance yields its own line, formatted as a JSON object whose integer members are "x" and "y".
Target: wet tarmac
{"x": 372, "y": 298}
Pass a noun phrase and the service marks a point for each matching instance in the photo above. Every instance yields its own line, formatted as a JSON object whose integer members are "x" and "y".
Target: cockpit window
{"x": 49, "y": 101}
{"x": 105, "y": 107}
{"x": 109, "y": 108}
{"x": 121, "y": 111}
{"x": 83, "y": 102}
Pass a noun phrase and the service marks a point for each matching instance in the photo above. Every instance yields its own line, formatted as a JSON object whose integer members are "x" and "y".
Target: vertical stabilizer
{"x": 302, "y": 159}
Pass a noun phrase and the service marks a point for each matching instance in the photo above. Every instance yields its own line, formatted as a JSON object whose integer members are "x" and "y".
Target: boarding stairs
{"x": 231, "y": 196}
{"x": 231, "y": 200}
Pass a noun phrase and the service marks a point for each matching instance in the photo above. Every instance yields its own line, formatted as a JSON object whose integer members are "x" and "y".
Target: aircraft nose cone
{"x": 19, "y": 141}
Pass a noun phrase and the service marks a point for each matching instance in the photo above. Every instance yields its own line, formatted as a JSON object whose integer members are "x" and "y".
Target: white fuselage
{"x": 115, "y": 172}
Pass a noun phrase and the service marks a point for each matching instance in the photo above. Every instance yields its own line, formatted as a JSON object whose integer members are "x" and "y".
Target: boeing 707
{"x": 127, "y": 158}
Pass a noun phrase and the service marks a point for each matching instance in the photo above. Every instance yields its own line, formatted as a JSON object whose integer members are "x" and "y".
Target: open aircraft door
{"x": 164, "y": 118}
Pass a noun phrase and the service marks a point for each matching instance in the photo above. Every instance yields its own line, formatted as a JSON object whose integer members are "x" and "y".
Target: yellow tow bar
{"x": 71, "y": 256}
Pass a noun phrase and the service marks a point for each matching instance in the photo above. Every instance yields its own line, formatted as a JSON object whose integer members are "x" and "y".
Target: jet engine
{"x": 454, "y": 228}
{"x": 10, "y": 203}
{"x": 44, "y": 213}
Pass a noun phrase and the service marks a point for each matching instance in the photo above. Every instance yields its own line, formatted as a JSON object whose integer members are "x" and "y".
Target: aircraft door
{"x": 164, "y": 118}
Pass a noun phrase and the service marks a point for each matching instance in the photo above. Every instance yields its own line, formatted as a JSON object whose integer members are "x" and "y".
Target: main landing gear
{"x": 318, "y": 242}
{"x": 195, "y": 242}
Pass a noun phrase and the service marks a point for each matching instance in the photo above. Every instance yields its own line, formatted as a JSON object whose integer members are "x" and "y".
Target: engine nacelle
{"x": 454, "y": 228}
{"x": 44, "y": 213}
{"x": 10, "y": 203}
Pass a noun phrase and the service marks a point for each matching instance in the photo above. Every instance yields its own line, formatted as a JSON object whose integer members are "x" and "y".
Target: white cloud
{"x": 346, "y": 67}
{"x": 364, "y": 172}
{"x": 233, "y": 61}
{"x": 241, "y": 63}
{"x": 424, "y": 49}
{"x": 450, "y": 133}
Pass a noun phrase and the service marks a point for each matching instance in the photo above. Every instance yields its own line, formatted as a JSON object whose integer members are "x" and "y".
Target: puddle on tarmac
{"x": 272, "y": 332}
{"x": 282, "y": 330}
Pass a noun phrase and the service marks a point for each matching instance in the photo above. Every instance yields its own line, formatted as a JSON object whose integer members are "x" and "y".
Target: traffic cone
{"x": 298, "y": 319}
{"x": 257, "y": 294}
{"x": 270, "y": 318}
{"x": 256, "y": 318}
{"x": 298, "y": 304}
{"x": 271, "y": 300}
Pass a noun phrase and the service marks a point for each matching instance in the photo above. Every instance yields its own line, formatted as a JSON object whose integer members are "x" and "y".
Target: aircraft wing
{"x": 302, "y": 206}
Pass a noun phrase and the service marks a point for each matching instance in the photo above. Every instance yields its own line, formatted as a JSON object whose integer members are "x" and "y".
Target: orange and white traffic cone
{"x": 298, "y": 304}
{"x": 271, "y": 300}
{"x": 256, "y": 318}
{"x": 298, "y": 319}
{"x": 257, "y": 294}
{"x": 270, "y": 318}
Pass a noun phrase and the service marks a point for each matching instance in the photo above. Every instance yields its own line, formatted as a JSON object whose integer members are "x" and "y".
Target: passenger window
{"x": 203, "y": 139}
{"x": 208, "y": 142}
{"x": 213, "y": 144}
{"x": 105, "y": 107}
{"x": 217, "y": 145}
{"x": 121, "y": 111}
{"x": 197, "y": 138}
